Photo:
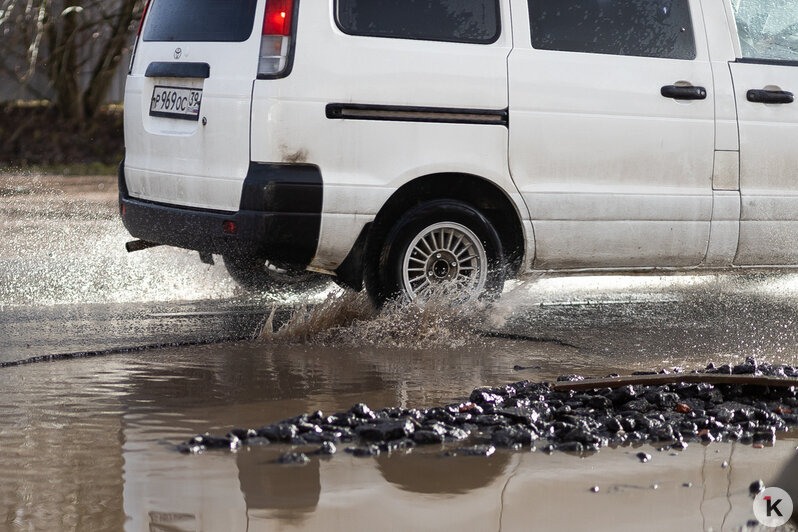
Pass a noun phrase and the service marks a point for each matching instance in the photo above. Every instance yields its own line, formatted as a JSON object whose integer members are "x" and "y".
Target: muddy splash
{"x": 347, "y": 318}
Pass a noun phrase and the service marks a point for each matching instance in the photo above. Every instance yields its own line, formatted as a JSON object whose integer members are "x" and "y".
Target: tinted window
{"x": 768, "y": 29}
{"x": 471, "y": 21}
{"x": 200, "y": 20}
{"x": 647, "y": 28}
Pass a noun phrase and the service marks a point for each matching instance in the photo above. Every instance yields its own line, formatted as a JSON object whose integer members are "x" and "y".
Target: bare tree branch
{"x": 110, "y": 56}
{"x": 76, "y": 44}
{"x": 33, "y": 49}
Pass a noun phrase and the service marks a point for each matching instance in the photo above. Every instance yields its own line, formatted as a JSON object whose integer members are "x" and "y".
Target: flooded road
{"x": 89, "y": 443}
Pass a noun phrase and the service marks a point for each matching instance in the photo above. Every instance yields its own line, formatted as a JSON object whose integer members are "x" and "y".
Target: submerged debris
{"x": 477, "y": 450}
{"x": 525, "y": 413}
{"x": 293, "y": 459}
{"x": 327, "y": 448}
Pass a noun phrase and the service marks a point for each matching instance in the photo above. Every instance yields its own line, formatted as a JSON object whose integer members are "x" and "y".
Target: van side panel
{"x": 616, "y": 173}
{"x": 364, "y": 161}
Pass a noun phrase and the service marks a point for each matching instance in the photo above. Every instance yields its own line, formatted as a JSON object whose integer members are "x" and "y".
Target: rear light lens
{"x": 277, "y": 19}
{"x": 143, "y": 16}
{"x": 275, "y": 43}
{"x": 230, "y": 227}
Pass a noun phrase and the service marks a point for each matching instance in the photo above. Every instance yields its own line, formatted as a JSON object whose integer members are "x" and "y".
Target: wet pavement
{"x": 67, "y": 285}
{"x": 90, "y": 443}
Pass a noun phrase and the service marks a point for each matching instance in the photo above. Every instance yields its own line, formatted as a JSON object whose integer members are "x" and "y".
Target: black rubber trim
{"x": 169, "y": 69}
{"x": 678, "y": 92}
{"x": 279, "y": 217}
{"x": 283, "y": 188}
{"x": 350, "y": 272}
{"x": 774, "y": 62}
{"x": 120, "y": 176}
{"x": 402, "y": 113}
{"x": 769, "y": 96}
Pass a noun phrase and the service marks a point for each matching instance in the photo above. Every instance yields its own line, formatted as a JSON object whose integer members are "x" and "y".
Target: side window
{"x": 768, "y": 29}
{"x": 468, "y": 21}
{"x": 646, "y": 28}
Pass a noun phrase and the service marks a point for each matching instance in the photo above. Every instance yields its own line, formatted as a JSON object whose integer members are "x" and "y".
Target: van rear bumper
{"x": 279, "y": 218}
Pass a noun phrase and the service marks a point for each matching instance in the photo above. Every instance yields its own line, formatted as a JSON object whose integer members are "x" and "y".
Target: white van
{"x": 400, "y": 143}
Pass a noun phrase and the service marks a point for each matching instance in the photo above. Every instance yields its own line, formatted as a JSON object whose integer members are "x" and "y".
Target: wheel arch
{"x": 484, "y": 195}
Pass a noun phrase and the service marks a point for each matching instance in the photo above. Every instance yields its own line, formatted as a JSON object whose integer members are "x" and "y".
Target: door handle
{"x": 766, "y": 96}
{"x": 689, "y": 92}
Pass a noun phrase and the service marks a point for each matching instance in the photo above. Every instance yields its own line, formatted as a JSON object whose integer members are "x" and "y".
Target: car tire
{"x": 261, "y": 276}
{"x": 438, "y": 241}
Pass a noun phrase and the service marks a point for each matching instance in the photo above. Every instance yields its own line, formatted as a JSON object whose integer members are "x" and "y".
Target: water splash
{"x": 63, "y": 243}
{"x": 348, "y": 318}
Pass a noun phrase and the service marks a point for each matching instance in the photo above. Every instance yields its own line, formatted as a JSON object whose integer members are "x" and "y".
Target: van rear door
{"x": 188, "y": 100}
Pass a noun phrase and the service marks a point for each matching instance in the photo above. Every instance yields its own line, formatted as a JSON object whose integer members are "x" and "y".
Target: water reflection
{"x": 60, "y": 451}
{"x": 89, "y": 444}
{"x": 429, "y": 472}
{"x": 788, "y": 481}
{"x": 283, "y": 492}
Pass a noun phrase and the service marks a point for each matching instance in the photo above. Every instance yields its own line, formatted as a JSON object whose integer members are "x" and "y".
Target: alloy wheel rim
{"x": 445, "y": 252}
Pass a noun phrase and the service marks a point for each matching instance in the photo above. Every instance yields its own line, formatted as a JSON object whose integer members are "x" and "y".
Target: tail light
{"x": 275, "y": 42}
{"x": 230, "y": 227}
{"x": 138, "y": 36}
{"x": 143, "y": 16}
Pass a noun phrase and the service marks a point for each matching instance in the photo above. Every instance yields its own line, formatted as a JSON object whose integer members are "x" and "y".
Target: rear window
{"x": 646, "y": 28}
{"x": 200, "y": 20}
{"x": 467, "y": 21}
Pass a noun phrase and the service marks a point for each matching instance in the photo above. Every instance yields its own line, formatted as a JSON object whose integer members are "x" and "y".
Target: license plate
{"x": 176, "y": 102}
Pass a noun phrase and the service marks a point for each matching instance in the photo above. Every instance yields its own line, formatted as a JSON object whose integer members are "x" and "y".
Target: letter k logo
{"x": 773, "y": 506}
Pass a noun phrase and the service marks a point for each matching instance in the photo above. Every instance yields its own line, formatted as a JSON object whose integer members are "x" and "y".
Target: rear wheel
{"x": 435, "y": 243}
{"x": 259, "y": 275}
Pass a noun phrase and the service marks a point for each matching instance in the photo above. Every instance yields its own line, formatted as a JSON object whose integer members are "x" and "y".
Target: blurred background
{"x": 62, "y": 72}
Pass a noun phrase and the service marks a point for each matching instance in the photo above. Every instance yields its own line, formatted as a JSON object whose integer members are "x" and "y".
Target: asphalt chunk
{"x": 704, "y": 406}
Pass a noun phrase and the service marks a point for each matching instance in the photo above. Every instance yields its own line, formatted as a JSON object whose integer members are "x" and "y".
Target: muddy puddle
{"x": 91, "y": 443}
